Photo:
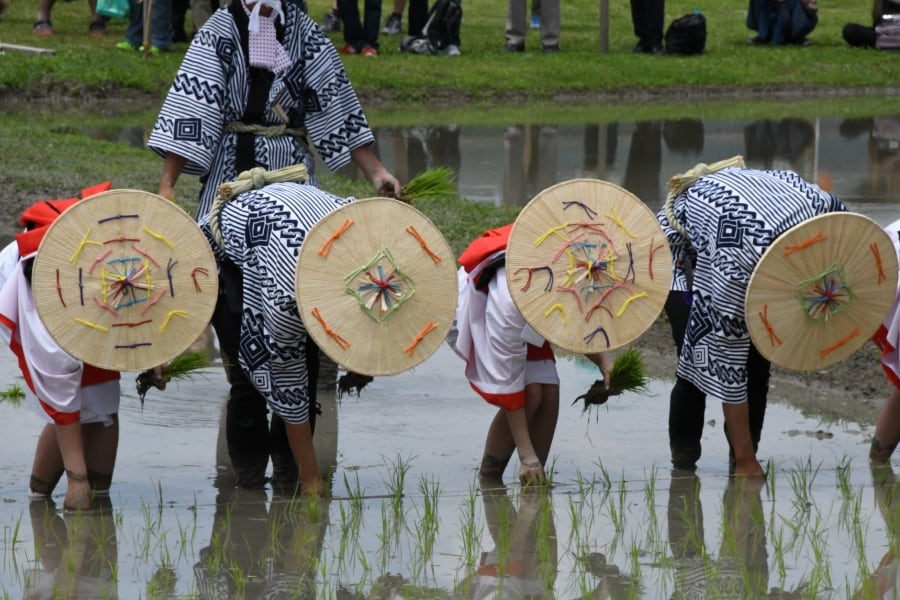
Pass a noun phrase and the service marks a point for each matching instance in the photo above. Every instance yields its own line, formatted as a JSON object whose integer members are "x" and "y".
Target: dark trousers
{"x": 251, "y": 440}
{"x": 417, "y": 13}
{"x": 360, "y": 34}
{"x": 687, "y": 404}
{"x": 647, "y": 17}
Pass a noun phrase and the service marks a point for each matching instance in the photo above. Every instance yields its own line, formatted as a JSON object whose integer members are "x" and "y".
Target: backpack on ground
{"x": 441, "y": 29}
{"x": 687, "y": 34}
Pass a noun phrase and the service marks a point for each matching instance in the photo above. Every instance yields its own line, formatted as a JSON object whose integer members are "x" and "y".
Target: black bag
{"x": 443, "y": 24}
{"x": 687, "y": 35}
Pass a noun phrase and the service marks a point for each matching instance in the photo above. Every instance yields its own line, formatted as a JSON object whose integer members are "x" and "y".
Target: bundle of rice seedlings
{"x": 628, "y": 374}
{"x": 180, "y": 367}
{"x": 433, "y": 183}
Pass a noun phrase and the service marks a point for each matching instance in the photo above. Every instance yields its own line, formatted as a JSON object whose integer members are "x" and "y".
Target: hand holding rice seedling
{"x": 181, "y": 367}
{"x": 433, "y": 183}
{"x": 628, "y": 373}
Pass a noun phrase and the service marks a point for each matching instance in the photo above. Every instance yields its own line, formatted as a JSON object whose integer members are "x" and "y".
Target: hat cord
{"x": 680, "y": 183}
{"x": 252, "y": 179}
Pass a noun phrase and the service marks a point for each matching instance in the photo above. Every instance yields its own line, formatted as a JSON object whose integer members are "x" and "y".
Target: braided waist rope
{"x": 253, "y": 179}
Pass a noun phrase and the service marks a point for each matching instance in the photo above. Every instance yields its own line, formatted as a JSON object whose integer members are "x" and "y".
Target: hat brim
{"x": 125, "y": 280}
{"x": 821, "y": 290}
{"x": 344, "y": 262}
{"x": 588, "y": 265}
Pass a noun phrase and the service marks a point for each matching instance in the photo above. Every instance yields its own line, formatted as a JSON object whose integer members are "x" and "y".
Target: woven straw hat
{"x": 125, "y": 280}
{"x": 376, "y": 286}
{"x": 588, "y": 265}
{"x": 821, "y": 290}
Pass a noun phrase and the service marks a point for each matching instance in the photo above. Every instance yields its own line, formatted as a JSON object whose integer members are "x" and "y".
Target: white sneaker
{"x": 453, "y": 50}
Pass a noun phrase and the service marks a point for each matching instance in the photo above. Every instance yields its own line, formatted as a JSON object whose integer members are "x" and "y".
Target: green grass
{"x": 485, "y": 71}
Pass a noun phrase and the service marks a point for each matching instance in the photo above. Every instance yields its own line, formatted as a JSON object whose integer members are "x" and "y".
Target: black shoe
{"x": 639, "y": 49}
{"x": 515, "y": 47}
{"x": 757, "y": 41}
{"x": 551, "y": 49}
{"x": 656, "y": 50}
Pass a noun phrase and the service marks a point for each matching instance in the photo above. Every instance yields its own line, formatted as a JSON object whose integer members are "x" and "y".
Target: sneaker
{"x": 535, "y": 21}
{"x": 551, "y": 49}
{"x": 393, "y": 25}
{"x": 369, "y": 51}
{"x": 126, "y": 45}
{"x": 153, "y": 50}
{"x": 510, "y": 47}
{"x": 44, "y": 27}
{"x": 347, "y": 49}
{"x": 453, "y": 50}
{"x": 331, "y": 23}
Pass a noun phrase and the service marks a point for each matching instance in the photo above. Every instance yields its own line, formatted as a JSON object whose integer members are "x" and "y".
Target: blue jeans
{"x": 161, "y": 22}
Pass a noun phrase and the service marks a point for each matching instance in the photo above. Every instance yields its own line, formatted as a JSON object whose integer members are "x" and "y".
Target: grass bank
{"x": 85, "y": 65}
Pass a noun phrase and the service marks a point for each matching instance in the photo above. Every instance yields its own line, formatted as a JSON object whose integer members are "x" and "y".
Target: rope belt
{"x": 266, "y": 130}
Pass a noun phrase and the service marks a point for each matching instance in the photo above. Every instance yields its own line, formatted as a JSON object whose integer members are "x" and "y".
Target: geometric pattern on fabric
{"x": 211, "y": 89}
{"x": 731, "y": 217}
{"x": 273, "y": 338}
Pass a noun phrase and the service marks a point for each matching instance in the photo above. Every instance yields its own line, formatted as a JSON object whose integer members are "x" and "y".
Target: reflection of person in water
{"x": 645, "y": 163}
{"x": 741, "y": 569}
{"x": 885, "y": 580}
{"x": 600, "y": 142}
{"x": 684, "y": 137}
{"x": 532, "y": 154}
{"x": 78, "y": 552}
{"x": 258, "y": 548}
{"x": 790, "y": 140}
{"x": 883, "y": 146}
{"x": 523, "y": 561}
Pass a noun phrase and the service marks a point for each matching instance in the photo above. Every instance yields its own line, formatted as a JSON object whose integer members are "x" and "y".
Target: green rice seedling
{"x": 433, "y": 183}
{"x": 770, "y": 478}
{"x": 14, "y": 395}
{"x": 470, "y": 532}
{"x": 801, "y": 480}
{"x": 628, "y": 373}
{"x": 431, "y": 492}
{"x": 777, "y": 538}
{"x": 842, "y": 471}
{"x": 605, "y": 479}
{"x": 355, "y": 493}
{"x": 183, "y": 366}
{"x": 396, "y": 480}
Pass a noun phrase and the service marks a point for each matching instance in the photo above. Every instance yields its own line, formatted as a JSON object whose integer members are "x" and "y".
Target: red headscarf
{"x": 37, "y": 218}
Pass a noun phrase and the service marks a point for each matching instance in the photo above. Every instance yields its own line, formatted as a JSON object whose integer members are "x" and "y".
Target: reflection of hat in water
{"x": 821, "y": 290}
{"x": 588, "y": 265}
{"x": 376, "y": 286}
{"x": 125, "y": 280}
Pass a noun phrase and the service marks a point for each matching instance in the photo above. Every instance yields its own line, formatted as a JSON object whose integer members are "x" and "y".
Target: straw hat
{"x": 365, "y": 327}
{"x": 125, "y": 280}
{"x": 588, "y": 265}
{"x": 821, "y": 290}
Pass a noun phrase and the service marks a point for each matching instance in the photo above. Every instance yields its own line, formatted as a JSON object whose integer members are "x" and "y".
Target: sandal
{"x": 44, "y": 27}
{"x": 97, "y": 27}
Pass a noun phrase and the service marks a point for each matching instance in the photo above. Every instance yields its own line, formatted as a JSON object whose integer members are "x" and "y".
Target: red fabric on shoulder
{"x": 39, "y": 216}
{"x": 489, "y": 242}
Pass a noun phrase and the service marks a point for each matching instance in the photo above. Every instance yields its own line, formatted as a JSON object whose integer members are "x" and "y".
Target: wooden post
{"x": 148, "y": 28}
{"x": 604, "y": 26}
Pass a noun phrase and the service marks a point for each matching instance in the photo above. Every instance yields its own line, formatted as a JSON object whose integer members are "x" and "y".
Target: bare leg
{"x": 101, "y": 442}
{"x": 531, "y": 470}
{"x": 300, "y": 438}
{"x": 47, "y": 467}
{"x": 498, "y": 447}
{"x": 44, "y": 8}
{"x": 737, "y": 420}
{"x": 542, "y": 422}
{"x": 887, "y": 429}
{"x": 78, "y": 490}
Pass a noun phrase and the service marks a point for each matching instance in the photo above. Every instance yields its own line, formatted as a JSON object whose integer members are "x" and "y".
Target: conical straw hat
{"x": 125, "y": 280}
{"x": 821, "y": 290}
{"x": 341, "y": 263}
{"x": 588, "y": 265}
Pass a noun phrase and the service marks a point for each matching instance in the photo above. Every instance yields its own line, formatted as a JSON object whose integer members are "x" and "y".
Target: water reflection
{"x": 522, "y": 560}
{"x": 76, "y": 553}
{"x": 884, "y": 582}
{"x": 857, "y": 159}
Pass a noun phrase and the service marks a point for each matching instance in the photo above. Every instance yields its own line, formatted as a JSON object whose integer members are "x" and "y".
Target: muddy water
{"x": 617, "y": 523}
